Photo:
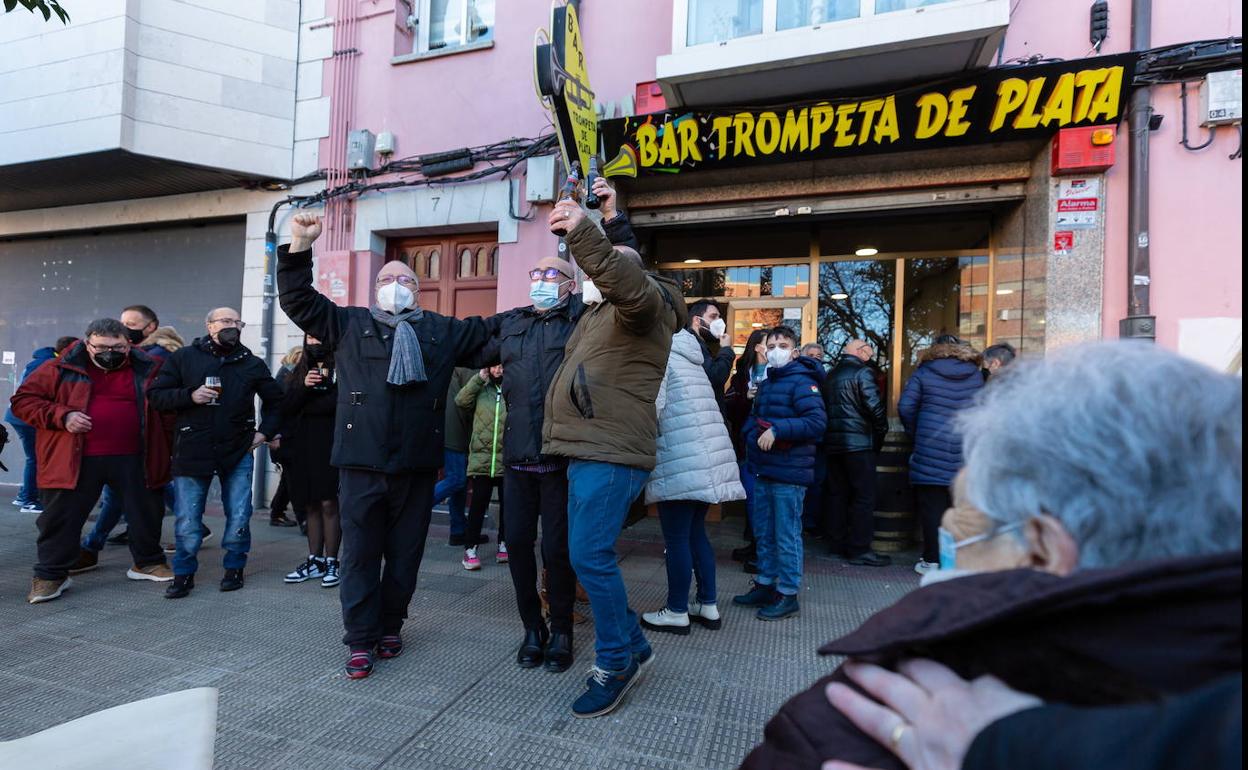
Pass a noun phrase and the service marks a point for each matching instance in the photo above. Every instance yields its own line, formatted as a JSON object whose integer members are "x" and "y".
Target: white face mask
{"x": 589, "y": 293}
{"x": 778, "y": 357}
{"x": 395, "y": 298}
{"x": 718, "y": 327}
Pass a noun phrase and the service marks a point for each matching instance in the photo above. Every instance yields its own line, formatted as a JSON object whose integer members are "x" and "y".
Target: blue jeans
{"x": 453, "y": 488}
{"x": 29, "y": 491}
{"x": 778, "y": 532}
{"x": 688, "y": 552}
{"x": 110, "y": 515}
{"x": 190, "y": 494}
{"x": 599, "y": 495}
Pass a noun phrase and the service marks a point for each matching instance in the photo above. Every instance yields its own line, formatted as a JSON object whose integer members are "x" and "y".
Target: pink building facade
{"x": 477, "y": 90}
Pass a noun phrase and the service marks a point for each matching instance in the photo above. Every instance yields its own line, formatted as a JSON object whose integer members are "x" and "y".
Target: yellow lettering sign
{"x": 688, "y": 129}
{"x": 669, "y": 153}
{"x": 647, "y": 144}
{"x": 958, "y": 105}
{"x": 767, "y": 133}
{"x": 743, "y": 125}
{"x": 795, "y": 135}
{"x": 1087, "y": 82}
{"x": 845, "y": 124}
{"x": 720, "y": 126}
{"x": 1011, "y": 94}
{"x": 1061, "y": 103}
{"x": 887, "y": 127}
{"x": 933, "y": 111}
{"x": 1027, "y": 117}
{"x": 1105, "y": 104}
{"x": 822, "y": 117}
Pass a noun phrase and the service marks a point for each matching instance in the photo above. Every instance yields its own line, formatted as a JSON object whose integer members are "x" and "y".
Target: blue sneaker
{"x": 759, "y": 595}
{"x": 784, "y": 607}
{"x": 605, "y": 690}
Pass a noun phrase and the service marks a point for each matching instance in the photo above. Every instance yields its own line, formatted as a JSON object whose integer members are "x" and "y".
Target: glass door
{"x": 747, "y": 316}
{"x": 857, "y": 300}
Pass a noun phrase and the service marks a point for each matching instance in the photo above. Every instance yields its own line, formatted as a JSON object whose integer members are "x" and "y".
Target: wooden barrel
{"x": 894, "y": 502}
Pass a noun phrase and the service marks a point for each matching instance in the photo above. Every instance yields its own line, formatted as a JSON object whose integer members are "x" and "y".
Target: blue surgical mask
{"x": 949, "y": 547}
{"x": 544, "y": 294}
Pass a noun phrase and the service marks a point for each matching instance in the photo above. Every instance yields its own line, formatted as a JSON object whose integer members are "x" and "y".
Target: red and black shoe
{"x": 391, "y": 646}
{"x": 360, "y": 664}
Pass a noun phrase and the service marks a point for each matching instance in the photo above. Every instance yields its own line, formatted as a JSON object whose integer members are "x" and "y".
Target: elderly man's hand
{"x": 304, "y": 230}
{"x": 929, "y": 716}
{"x": 77, "y": 422}
{"x": 566, "y": 216}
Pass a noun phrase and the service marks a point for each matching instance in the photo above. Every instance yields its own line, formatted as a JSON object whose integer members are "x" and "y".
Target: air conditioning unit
{"x": 1221, "y": 98}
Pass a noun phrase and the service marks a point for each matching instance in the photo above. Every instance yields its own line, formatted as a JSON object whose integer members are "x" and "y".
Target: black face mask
{"x": 109, "y": 359}
{"x": 135, "y": 336}
{"x": 315, "y": 352}
{"x": 228, "y": 337}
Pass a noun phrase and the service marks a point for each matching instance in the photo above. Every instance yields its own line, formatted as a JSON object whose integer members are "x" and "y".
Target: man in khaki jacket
{"x": 601, "y": 416}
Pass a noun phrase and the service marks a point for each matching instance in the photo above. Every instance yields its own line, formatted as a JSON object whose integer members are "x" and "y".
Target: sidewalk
{"x": 455, "y": 699}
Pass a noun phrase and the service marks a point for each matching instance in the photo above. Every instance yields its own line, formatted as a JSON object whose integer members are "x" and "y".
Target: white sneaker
{"x": 924, "y": 567}
{"x": 666, "y": 621}
{"x": 705, "y": 615}
{"x": 332, "y": 576}
{"x": 310, "y": 570}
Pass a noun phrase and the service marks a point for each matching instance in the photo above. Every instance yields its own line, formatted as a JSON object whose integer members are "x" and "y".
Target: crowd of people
{"x": 1046, "y": 492}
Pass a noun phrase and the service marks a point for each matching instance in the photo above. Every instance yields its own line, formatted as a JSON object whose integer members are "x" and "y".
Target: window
{"x": 720, "y": 21}
{"x": 445, "y": 25}
{"x": 791, "y": 14}
{"x": 712, "y": 21}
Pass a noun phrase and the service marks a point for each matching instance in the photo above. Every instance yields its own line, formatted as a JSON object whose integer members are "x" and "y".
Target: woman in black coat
{"x": 308, "y": 438}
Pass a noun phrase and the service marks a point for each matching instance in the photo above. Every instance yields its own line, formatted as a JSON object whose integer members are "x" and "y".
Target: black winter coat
{"x": 530, "y": 346}
{"x": 380, "y": 427}
{"x": 620, "y": 231}
{"x": 857, "y": 420}
{"x": 718, "y": 368}
{"x": 212, "y": 439}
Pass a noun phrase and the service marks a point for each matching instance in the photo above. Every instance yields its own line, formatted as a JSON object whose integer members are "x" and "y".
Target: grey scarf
{"x": 407, "y": 363}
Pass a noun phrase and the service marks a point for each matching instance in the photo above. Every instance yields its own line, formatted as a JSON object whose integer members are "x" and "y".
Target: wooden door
{"x": 458, "y": 274}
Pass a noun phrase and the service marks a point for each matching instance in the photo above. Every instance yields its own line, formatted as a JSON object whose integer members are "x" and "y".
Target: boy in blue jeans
{"x": 787, "y": 419}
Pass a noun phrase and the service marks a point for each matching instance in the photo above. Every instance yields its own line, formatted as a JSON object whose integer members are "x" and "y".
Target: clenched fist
{"x": 304, "y": 229}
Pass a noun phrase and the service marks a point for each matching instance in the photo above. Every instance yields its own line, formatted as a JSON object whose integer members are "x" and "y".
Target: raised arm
{"x": 311, "y": 311}
{"x": 623, "y": 281}
{"x": 466, "y": 398}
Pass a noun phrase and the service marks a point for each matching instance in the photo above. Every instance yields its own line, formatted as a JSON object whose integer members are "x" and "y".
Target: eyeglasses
{"x": 547, "y": 274}
{"x": 228, "y": 322}
{"x": 402, "y": 280}
{"x": 108, "y": 348}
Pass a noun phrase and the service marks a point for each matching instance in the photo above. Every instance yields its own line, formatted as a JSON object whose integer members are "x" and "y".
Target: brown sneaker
{"x": 159, "y": 573}
{"x": 46, "y": 590}
{"x": 87, "y": 561}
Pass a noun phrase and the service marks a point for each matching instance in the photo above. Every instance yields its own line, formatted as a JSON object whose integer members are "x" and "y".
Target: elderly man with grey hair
{"x": 1095, "y": 538}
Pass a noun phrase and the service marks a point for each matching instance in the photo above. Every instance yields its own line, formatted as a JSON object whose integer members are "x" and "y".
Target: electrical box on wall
{"x": 360, "y": 147}
{"x": 540, "y": 179}
{"x": 650, "y": 98}
{"x": 1083, "y": 150}
{"x": 1221, "y": 98}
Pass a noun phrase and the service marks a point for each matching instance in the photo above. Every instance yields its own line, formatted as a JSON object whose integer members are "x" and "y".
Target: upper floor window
{"x": 717, "y": 21}
{"x": 444, "y": 25}
{"x": 791, "y": 14}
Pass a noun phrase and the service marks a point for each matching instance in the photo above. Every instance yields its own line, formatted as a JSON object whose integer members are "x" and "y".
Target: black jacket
{"x": 620, "y": 231}
{"x": 209, "y": 439}
{"x": 718, "y": 368}
{"x": 530, "y": 346}
{"x": 857, "y": 420}
{"x": 380, "y": 427}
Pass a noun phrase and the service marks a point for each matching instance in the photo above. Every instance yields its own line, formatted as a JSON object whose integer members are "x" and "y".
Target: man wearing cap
{"x": 529, "y": 343}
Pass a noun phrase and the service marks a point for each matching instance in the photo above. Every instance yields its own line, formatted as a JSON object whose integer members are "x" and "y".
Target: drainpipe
{"x": 1139, "y": 323}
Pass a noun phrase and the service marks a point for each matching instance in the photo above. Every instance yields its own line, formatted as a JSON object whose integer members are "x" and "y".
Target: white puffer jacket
{"x": 695, "y": 456}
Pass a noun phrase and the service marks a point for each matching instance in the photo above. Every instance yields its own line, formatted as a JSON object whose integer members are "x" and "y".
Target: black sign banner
{"x": 1000, "y": 104}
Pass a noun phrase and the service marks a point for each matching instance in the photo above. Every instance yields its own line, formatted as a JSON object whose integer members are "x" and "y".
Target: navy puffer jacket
{"x": 791, "y": 401}
{"x": 946, "y": 382}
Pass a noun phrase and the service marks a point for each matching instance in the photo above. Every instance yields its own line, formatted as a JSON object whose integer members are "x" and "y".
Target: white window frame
{"x": 866, "y": 12}
{"x": 424, "y": 22}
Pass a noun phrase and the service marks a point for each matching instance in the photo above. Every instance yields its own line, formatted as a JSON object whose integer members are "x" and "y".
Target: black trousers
{"x": 851, "y": 502}
{"x": 66, "y": 510}
{"x": 531, "y": 496}
{"x": 385, "y": 518}
{"x": 930, "y": 503}
{"x": 482, "y": 490}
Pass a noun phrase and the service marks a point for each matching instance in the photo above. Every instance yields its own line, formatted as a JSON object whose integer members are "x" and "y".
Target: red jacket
{"x": 63, "y": 386}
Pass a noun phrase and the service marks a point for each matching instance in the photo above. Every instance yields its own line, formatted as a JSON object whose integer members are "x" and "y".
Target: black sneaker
{"x": 332, "y": 575}
{"x": 870, "y": 559}
{"x": 746, "y": 552}
{"x": 311, "y": 569}
{"x": 180, "y": 587}
{"x": 233, "y": 580}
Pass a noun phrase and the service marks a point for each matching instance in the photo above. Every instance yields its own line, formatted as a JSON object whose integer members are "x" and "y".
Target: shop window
{"x": 712, "y": 21}
{"x": 943, "y": 296}
{"x": 445, "y": 25}
{"x": 791, "y": 14}
{"x": 857, "y": 300}
{"x": 1019, "y": 302}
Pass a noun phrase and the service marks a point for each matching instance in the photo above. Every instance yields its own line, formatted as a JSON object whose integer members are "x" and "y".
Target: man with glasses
{"x": 394, "y": 362}
{"x": 857, "y": 425}
{"x": 96, "y": 424}
{"x": 212, "y": 385}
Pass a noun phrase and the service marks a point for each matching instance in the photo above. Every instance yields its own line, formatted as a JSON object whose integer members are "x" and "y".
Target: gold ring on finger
{"x": 898, "y": 732}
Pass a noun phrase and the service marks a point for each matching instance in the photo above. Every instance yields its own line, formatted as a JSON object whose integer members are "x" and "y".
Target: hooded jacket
{"x": 37, "y": 358}
{"x": 695, "y": 459}
{"x": 945, "y": 383}
{"x": 600, "y": 406}
{"x": 51, "y": 392}
{"x": 791, "y": 401}
{"x": 213, "y": 439}
{"x": 1098, "y": 637}
{"x": 484, "y": 401}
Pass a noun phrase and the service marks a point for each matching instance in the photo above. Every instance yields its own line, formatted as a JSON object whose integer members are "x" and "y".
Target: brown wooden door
{"x": 458, "y": 274}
